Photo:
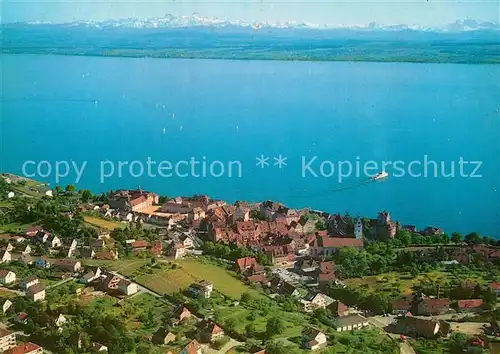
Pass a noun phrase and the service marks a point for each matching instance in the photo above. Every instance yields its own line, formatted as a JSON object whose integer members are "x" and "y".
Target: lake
{"x": 63, "y": 108}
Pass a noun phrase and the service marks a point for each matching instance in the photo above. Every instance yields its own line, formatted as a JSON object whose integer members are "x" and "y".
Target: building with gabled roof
{"x": 192, "y": 347}
{"x": 27, "y": 348}
{"x": 210, "y": 331}
{"x": 429, "y": 306}
{"x": 314, "y": 339}
{"x": 7, "y": 276}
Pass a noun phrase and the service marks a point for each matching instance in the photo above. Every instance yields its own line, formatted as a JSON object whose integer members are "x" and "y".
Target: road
{"x": 406, "y": 348}
{"x": 17, "y": 292}
{"x": 60, "y": 283}
{"x": 382, "y": 322}
{"x": 227, "y": 347}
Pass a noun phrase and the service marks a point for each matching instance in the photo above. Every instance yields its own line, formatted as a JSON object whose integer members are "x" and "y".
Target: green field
{"x": 124, "y": 266}
{"x": 404, "y": 282}
{"x": 178, "y": 276}
{"x": 189, "y": 271}
{"x": 103, "y": 223}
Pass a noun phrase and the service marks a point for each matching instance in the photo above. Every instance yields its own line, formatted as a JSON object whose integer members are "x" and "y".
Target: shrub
{"x": 219, "y": 343}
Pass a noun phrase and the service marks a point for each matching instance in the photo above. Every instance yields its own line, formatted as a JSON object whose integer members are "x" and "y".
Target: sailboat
{"x": 164, "y": 131}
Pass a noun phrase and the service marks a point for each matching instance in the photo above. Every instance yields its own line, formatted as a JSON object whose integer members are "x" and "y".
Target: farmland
{"x": 182, "y": 273}
{"x": 404, "y": 282}
{"x": 102, "y": 223}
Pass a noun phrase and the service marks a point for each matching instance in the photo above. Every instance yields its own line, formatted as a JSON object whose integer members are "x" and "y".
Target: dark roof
{"x": 288, "y": 288}
{"x": 401, "y": 305}
{"x": 34, "y": 289}
{"x": 351, "y": 320}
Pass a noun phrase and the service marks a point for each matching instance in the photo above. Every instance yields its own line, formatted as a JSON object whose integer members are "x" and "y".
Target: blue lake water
{"x": 238, "y": 110}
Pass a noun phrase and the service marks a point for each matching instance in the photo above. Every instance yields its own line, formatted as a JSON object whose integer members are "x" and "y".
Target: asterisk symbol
{"x": 280, "y": 161}
{"x": 262, "y": 161}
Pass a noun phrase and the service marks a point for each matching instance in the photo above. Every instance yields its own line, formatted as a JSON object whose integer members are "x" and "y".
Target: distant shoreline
{"x": 279, "y": 56}
{"x": 250, "y": 58}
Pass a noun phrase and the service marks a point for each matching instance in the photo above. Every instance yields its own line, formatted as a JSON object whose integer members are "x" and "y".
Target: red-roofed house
{"x": 314, "y": 339}
{"x": 401, "y": 307}
{"x": 327, "y": 246}
{"x": 326, "y": 267}
{"x": 139, "y": 245}
{"x": 69, "y": 265}
{"x": 22, "y": 318}
{"x": 495, "y": 287}
{"x": 157, "y": 248}
{"x": 210, "y": 331}
{"x": 338, "y": 309}
{"x": 180, "y": 315}
{"x": 28, "y": 348}
{"x": 192, "y": 348}
{"x": 433, "y": 306}
{"x": 279, "y": 254}
{"x": 470, "y": 305}
{"x": 245, "y": 263}
{"x": 326, "y": 278}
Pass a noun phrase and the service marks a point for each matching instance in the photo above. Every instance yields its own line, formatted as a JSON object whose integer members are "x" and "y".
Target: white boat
{"x": 380, "y": 175}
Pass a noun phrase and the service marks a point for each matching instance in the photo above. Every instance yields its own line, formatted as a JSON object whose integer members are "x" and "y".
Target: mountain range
{"x": 196, "y": 20}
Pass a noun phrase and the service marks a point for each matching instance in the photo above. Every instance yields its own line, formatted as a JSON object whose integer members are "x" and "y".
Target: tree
{"x": 230, "y": 323}
{"x": 490, "y": 298}
{"x": 456, "y": 237}
{"x": 404, "y": 236}
{"x": 276, "y": 347}
{"x": 274, "y": 326}
{"x": 473, "y": 238}
{"x": 250, "y": 329}
{"x": 70, "y": 188}
{"x": 86, "y": 195}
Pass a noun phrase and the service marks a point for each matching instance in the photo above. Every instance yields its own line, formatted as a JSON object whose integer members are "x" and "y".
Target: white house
{"x": 321, "y": 301}
{"x": 202, "y": 289}
{"x": 358, "y": 229}
{"x": 54, "y": 241}
{"x": 241, "y": 214}
{"x": 7, "y": 276}
{"x": 98, "y": 348}
{"x": 49, "y": 193}
{"x": 28, "y": 282}
{"x": 36, "y": 292}
{"x": 186, "y": 241}
{"x": 90, "y": 276}
{"x": 177, "y": 250}
{"x": 127, "y": 287}
{"x": 314, "y": 339}
{"x": 6, "y": 257}
{"x": 351, "y": 322}
{"x": 11, "y": 195}
{"x": 6, "y": 305}
{"x": 60, "y": 320}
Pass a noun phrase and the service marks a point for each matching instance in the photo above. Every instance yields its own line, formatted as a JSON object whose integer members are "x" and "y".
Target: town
{"x": 130, "y": 271}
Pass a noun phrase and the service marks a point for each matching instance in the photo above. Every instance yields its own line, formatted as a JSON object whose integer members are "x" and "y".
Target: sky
{"x": 348, "y": 12}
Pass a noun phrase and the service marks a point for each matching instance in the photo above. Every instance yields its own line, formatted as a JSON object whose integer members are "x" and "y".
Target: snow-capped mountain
{"x": 196, "y": 20}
